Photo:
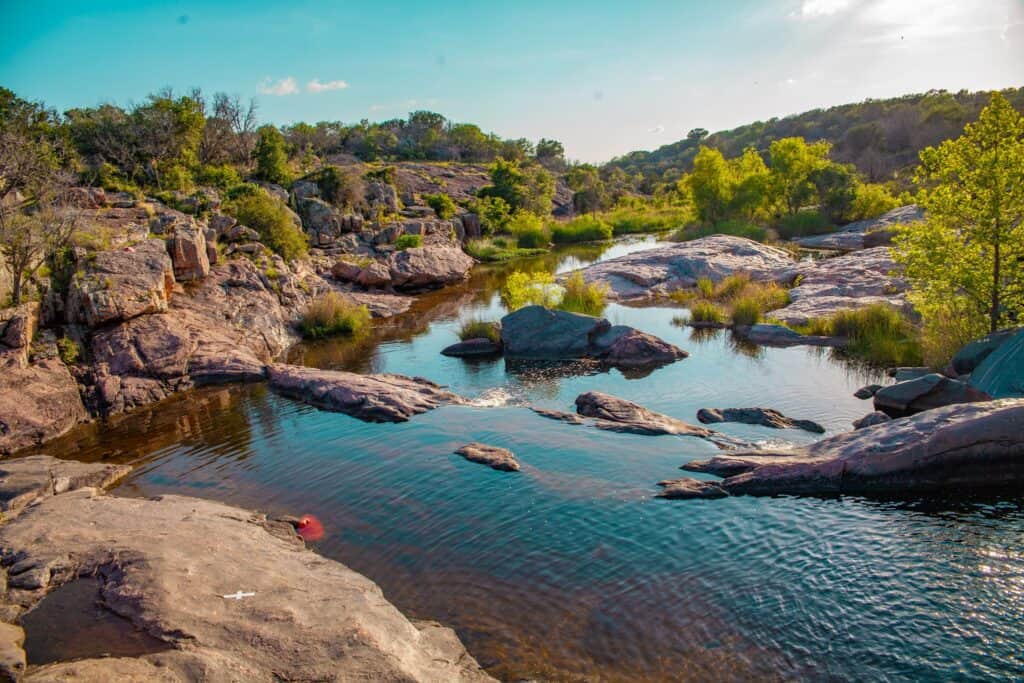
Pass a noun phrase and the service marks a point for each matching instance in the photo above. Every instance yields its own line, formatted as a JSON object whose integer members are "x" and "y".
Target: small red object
{"x": 310, "y": 528}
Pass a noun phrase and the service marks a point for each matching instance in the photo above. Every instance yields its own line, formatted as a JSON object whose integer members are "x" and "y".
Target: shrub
{"x": 333, "y": 314}
{"x": 634, "y": 219}
{"x": 494, "y": 213}
{"x": 408, "y": 242}
{"x": 442, "y": 205}
{"x": 480, "y": 329}
{"x": 497, "y": 250}
{"x": 242, "y": 190}
{"x": 735, "y": 228}
{"x": 528, "y": 230}
{"x": 526, "y": 289}
{"x": 386, "y": 174}
{"x": 707, "y": 313}
{"x": 339, "y": 187}
{"x": 222, "y": 177}
{"x": 68, "y": 350}
{"x": 871, "y": 201}
{"x": 802, "y": 224}
{"x": 746, "y": 311}
{"x": 271, "y": 156}
{"x": 272, "y": 220}
{"x": 582, "y": 229}
{"x": 583, "y": 297}
{"x": 877, "y": 334}
{"x": 706, "y": 287}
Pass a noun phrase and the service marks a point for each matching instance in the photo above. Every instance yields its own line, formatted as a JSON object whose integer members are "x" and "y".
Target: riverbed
{"x": 572, "y": 569}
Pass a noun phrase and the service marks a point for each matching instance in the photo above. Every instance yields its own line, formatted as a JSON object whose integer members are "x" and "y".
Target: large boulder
{"x": 953, "y": 448}
{"x": 320, "y": 220}
{"x": 873, "y": 232}
{"x": 383, "y": 196}
{"x": 189, "y": 255}
{"x": 120, "y": 284}
{"x": 38, "y": 401}
{"x": 18, "y": 325}
{"x": 372, "y": 398}
{"x": 428, "y": 267}
{"x": 540, "y": 333}
{"x": 849, "y": 282}
{"x": 1001, "y": 373}
{"x": 924, "y": 393}
{"x": 971, "y": 356}
{"x": 655, "y": 272}
{"x": 228, "y": 594}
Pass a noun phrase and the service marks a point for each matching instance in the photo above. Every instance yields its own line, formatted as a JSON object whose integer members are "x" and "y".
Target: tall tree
{"x": 271, "y": 158}
{"x": 793, "y": 161}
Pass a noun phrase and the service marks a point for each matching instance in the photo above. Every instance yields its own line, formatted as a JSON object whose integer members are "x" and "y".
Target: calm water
{"x": 571, "y": 569}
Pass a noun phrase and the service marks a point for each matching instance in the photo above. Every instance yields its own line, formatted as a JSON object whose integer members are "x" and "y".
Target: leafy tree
{"x": 697, "y": 135}
{"x": 710, "y": 184}
{"x": 271, "y": 158}
{"x": 494, "y": 213}
{"x": 793, "y": 161}
{"x": 971, "y": 247}
{"x": 530, "y": 189}
{"x": 589, "y": 194}
{"x": 750, "y": 178}
{"x": 550, "y": 154}
{"x": 836, "y": 187}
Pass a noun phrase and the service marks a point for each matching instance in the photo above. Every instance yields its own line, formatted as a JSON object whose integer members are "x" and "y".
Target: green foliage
{"x": 877, "y": 334}
{"x": 836, "y": 186}
{"x": 737, "y": 228}
{"x": 587, "y": 228}
{"x": 746, "y": 312}
{"x": 498, "y": 250}
{"x": 442, "y": 205}
{"x": 527, "y": 289}
{"x": 331, "y": 315}
{"x": 736, "y": 298}
{"x": 385, "y": 174}
{"x": 871, "y": 201}
{"x": 494, "y": 214}
{"x": 480, "y": 329}
{"x": 528, "y": 230}
{"x": 339, "y": 187}
{"x": 68, "y": 350}
{"x": 647, "y": 218}
{"x": 803, "y": 224}
{"x": 408, "y": 242}
{"x": 222, "y": 177}
{"x": 527, "y": 188}
{"x": 583, "y": 297}
{"x": 793, "y": 161}
{"x": 707, "y": 313}
{"x": 271, "y": 157}
{"x": 243, "y": 190}
{"x": 272, "y": 220}
{"x": 710, "y": 184}
{"x": 968, "y": 255}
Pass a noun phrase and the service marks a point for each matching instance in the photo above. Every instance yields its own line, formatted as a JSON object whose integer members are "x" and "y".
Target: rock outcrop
{"x": 120, "y": 284}
{"x": 373, "y": 398}
{"x": 866, "y": 233}
{"x": 189, "y": 254}
{"x": 39, "y": 401}
{"x": 18, "y": 325}
{"x": 24, "y": 481}
{"x": 230, "y": 594}
{"x": 656, "y": 272}
{"x": 540, "y": 333}
{"x": 972, "y": 355}
{"x": 764, "y": 417}
{"x": 420, "y": 268}
{"x": 495, "y": 457}
{"x": 965, "y": 446}
{"x": 1001, "y": 373}
{"x": 924, "y": 393}
{"x": 619, "y": 415}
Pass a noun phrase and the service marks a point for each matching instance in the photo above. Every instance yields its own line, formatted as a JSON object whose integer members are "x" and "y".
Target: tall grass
{"x": 587, "y": 228}
{"x": 640, "y": 219}
{"x": 736, "y": 298}
{"x": 332, "y": 314}
{"x": 583, "y": 297}
{"x": 497, "y": 250}
{"x": 707, "y": 313}
{"x": 736, "y": 228}
{"x": 480, "y": 329}
{"x": 877, "y": 334}
{"x": 802, "y": 224}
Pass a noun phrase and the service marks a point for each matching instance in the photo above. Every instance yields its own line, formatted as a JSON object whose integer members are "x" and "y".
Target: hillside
{"x": 882, "y": 138}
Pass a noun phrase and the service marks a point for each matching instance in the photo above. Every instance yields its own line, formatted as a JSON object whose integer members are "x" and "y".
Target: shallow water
{"x": 571, "y": 569}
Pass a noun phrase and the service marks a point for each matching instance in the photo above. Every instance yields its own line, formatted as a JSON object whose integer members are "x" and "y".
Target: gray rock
{"x": 688, "y": 488}
{"x": 38, "y": 401}
{"x": 472, "y": 348}
{"x": 187, "y": 249}
{"x": 866, "y": 392}
{"x": 764, "y": 417}
{"x": 953, "y": 448}
{"x": 24, "y": 481}
{"x": 493, "y": 456}
{"x": 320, "y": 220}
{"x": 303, "y": 189}
{"x": 873, "y": 232}
{"x": 305, "y": 617}
{"x": 1001, "y": 374}
{"x": 618, "y": 414}
{"x": 971, "y": 356}
{"x": 372, "y": 398}
{"x": 871, "y": 419}
{"x": 924, "y": 393}
{"x": 221, "y": 223}
{"x": 382, "y": 195}
{"x": 118, "y": 285}
{"x": 561, "y": 416}
{"x": 428, "y": 267}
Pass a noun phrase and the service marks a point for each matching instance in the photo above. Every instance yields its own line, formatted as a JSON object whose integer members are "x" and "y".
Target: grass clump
{"x": 331, "y": 315}
{"x": 641, "y": 219}
{"x": 480, "y": 329}
{"x": 498, "y": 250}
{"x": 68, "y": 350}
{"x": 583, "y": 229}
{"x": 735, "y": 298}
{"x": 877, "y": 334}
{"x": 706, "y": 313}
{"x": 746, "y": 311}
{"x": 583, "y": 297}
{"x": 803, "y": 224}
{"x": 442, "y": 205}
{"x": 736, "y": 228}
{"x": 528, "y": 289}
{"x": 408, "y": 242}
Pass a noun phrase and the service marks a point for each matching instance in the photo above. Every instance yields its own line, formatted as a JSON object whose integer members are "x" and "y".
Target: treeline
{"x": 881, "y": 138}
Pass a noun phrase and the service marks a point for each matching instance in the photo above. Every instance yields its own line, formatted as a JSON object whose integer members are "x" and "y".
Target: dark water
{"x": 571, "y": 569}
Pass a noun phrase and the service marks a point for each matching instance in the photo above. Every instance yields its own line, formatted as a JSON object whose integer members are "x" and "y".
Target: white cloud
{"x": 285, "y": 86}
{"x": 316, "y": 86}
{"x": 790, "y": 81}
{"x": 657, "y": 130}
{"x": 812, "y": 9}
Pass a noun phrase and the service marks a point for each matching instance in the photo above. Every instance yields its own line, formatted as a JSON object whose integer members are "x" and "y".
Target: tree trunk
{"x": 994, "y": 310}
{"x": 16, "y": 289}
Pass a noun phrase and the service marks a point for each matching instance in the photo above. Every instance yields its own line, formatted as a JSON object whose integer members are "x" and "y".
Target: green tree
{"x": 528, "y": 188}
{"x": 271, "y": 157}
{"x": 442, "y": 205}
{"x": 710, "y": 184}
{"x": 589, "y": 194}
{"x": 750, "y": 178}
{"x": 836, "y": 187}
{"x": 971, "y": 246}
{"x": 792, "y": 162}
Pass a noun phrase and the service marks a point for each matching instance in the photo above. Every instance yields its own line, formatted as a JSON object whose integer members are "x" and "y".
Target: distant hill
{"x": 881, "y": 137}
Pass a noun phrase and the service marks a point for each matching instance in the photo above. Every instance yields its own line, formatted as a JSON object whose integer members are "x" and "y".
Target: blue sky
{"x": 604, "y": 78}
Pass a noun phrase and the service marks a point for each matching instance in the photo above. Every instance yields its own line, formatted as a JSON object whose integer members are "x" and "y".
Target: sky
{"x": 604, "y": 78}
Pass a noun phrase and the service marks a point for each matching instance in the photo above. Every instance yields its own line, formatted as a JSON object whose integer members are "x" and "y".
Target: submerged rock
{"x": 493, "y": 456}
{"x": 688, "y": 488}
{"x": 472, "y": 348}
{"x": 540, "y": 333}
{"x": 866, "y": 392}
{"x": 765, "y": 417}
{"x": 924, "y": 393}
{"x": 619, "y": 415}
{"x": 233, "y": 595}
{"x": 974, "y": 445}
{"x": 559, "y": 415}
{"x": 656, "y": 272}
{"x": 373, "y": 398}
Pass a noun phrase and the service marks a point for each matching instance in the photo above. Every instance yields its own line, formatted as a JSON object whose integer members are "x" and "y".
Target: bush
{"x": 735, "y": 228}
{"x": 408, "y": 242}
{"x": 442, "y": 205}
{"x": 242, "y": 190}
{"x": 333, "y": 314}
{"x": 872, "y": 201}
{"x": 582, "y": 229}
{"x": 68, "y": 350}
{"x": 497, "y": 250}
{"x": 272, "y": 220}
{"x": 632, "y": 220}
{"x": 877, "y": 334}
{"x": 802, "y": 224}
{"x": 480, "y": 329}
{"x": 526, "y": 289}
{"x": 581, "y": 297}
{"x": 746, "y": 311}
{"x": 528, "y": 230}
{"x": 707, "y": 313}
{"x": 221, "y": 177}
{"x": 494, "y": 214}
{"x": 386, "y": 174}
